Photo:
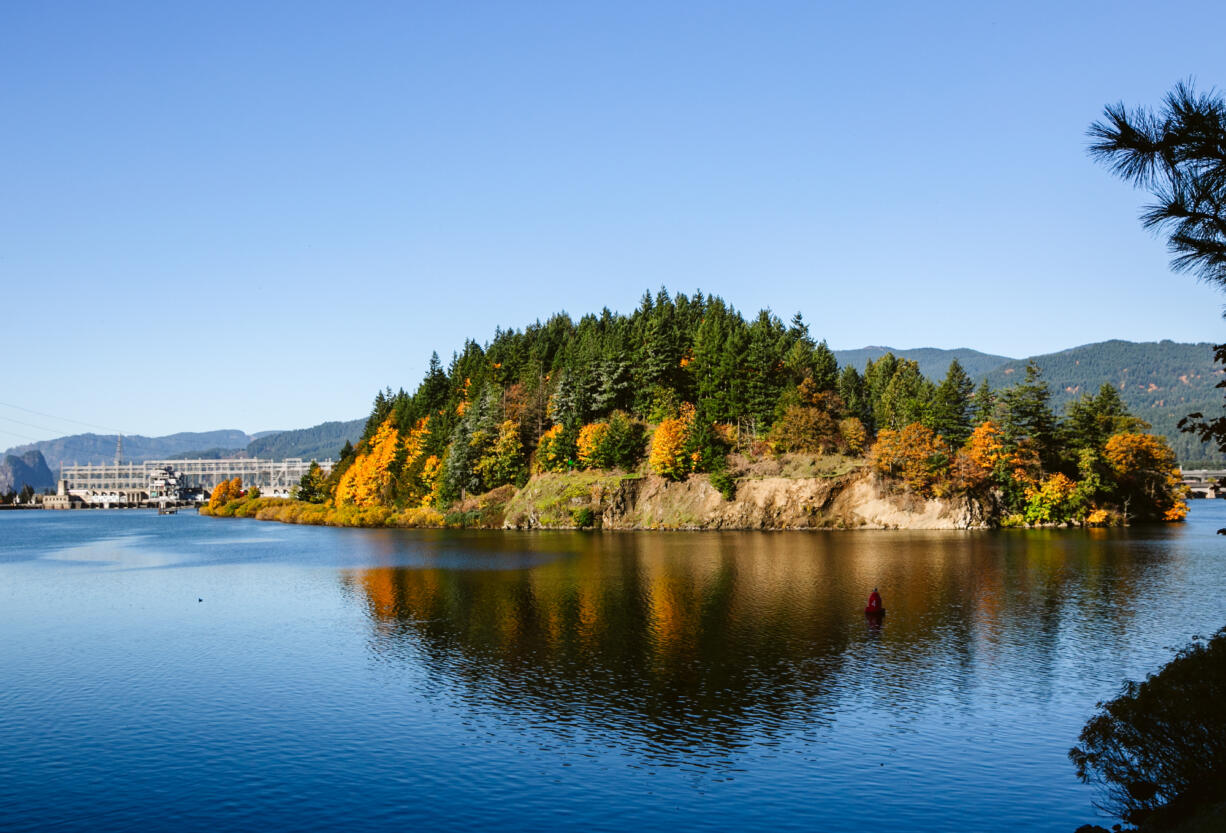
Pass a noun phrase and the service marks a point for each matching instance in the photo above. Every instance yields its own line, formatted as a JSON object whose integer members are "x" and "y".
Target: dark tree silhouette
{"x": 1179, "y": 154}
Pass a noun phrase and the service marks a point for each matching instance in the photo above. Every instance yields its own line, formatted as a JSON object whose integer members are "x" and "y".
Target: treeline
{"x": 1161, "y": 382}
{"x": 686, "y": 384}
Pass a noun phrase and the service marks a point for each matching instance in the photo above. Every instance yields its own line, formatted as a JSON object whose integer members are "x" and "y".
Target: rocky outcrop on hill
{"x": 851, "y": 501}
{"x": 29, "y": 469}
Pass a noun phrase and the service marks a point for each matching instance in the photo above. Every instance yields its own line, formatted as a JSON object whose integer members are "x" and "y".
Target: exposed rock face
{"x": 855, "y": 500}
{"x": 28, "y": 469}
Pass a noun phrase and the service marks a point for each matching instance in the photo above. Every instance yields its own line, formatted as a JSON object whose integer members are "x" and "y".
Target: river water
{"x": 187, "y": 673}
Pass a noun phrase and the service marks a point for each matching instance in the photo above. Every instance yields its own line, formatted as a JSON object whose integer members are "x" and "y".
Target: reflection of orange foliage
{"x": 668, "y": 457}
{"x": 915, "y": 455}
{"x": 365, "y": 481}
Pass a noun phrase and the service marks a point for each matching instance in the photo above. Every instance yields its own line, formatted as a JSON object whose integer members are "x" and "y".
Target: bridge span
{"x": 272, "y": 477}
{"x": 1209, "y": 483}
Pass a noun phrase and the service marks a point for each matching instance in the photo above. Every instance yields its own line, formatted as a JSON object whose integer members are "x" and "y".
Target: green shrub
{"x": 726, "y": 484}
{"x": 583, "y": 517}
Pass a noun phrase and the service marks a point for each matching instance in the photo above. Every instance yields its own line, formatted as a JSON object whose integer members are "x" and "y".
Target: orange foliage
{"x": 1132, "y": 455}
{"x": 366, "y": 480}
{"x": 985, "y": 449}
{"x": 914, "y": 455}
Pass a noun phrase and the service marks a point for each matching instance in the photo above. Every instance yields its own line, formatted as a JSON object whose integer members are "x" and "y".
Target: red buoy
{"x": 875, "y": 604}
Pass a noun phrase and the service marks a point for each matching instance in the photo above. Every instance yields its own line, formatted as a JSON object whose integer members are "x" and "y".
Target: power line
{"x": 62, "y": 419}
{"x": 27, "y": 424}
{"x": 22, "y": 436}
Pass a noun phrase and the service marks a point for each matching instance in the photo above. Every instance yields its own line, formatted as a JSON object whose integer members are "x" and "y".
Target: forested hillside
{"x": 687, "y": 385}
{"x": 1160, "y": 382}
{"x": 320, "y": 442}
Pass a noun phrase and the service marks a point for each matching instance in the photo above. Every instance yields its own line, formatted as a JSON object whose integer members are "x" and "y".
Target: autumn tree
{"x": 669, "y": 456}
{"x": 915, "y": 455}
{"x": 557, "y": 450}
{"x": 1146, "y": 475}
{"x": 366, "y": 482}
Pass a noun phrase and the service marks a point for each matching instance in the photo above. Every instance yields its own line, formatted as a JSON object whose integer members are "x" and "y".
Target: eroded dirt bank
{"x": 851, "y": 501}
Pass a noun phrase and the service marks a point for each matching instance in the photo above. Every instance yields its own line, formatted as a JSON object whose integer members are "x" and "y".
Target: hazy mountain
{"x": 933, "y": 362}
{"x": 320, "y": 442}
{"x": 100, "y": 448}
{"x": 28, "y": 469}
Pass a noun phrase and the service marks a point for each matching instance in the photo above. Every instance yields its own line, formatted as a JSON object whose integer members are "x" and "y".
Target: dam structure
{"x": 274, "y": 478}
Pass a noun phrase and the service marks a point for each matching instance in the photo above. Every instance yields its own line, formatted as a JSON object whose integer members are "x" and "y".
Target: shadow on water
{"x": 700, "y": 642}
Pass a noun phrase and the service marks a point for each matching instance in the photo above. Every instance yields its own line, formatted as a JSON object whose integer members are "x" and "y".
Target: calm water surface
{"x": 376, "y": 680}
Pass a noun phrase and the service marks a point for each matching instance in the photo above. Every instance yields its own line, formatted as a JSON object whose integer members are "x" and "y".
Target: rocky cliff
{"x": 27, "y": 469}
{"x": 850, "y": 501}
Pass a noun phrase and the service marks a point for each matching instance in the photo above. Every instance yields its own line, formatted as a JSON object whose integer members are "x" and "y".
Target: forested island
{"x": 684, "y": 414}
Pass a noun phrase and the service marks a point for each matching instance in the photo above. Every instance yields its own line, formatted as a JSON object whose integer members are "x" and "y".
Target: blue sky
{"x": 256, "y": 215}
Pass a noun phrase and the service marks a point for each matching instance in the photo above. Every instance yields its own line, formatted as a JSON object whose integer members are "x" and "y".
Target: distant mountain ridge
{"x": 83, "y": 449}
{"x": 320, "y": 442}
{"x": 933, "y": 361}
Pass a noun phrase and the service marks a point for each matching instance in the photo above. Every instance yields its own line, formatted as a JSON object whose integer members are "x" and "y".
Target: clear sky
{"x": 255, "y": 215}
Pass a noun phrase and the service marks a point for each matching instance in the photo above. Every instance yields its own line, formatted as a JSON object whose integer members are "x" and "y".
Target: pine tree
{"x": 983, "y": 404}
{"x": 855, "y": 396}
{"x": 951, "y": 406}
{"x": 1028, "y": 414}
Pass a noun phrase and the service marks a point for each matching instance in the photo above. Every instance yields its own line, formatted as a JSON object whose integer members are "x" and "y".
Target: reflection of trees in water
{"x": 709, "y": 638}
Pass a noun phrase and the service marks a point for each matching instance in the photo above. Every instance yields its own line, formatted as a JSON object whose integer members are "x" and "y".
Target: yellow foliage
{"x": 1131, "y": 455}
{"x": 1097, "y": 517}
{"x": 430, "y": 479}
{"x": 853, "y": 434}
{"x": 591, "y": 438}
{"x": 668, "y": 458}
{"x": 552, "y": 452}
{"x": 365, "y": 482}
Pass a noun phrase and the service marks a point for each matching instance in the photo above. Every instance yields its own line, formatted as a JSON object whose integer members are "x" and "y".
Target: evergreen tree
{"x": 951, "y": 406}
{"x": 1028, "y": 414}
{"x": 825, "y": 367}
{"x": 983, "y": 404}
{"x": 433, "y": 393}
{"x": 855, "y": 396}
{"x": 764, "y": 383}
